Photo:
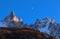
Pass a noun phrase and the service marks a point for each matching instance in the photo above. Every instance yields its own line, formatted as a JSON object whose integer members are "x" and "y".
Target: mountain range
{"x": 46, "y": 25}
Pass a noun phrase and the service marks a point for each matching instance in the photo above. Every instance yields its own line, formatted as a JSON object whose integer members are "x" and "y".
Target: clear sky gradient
{"x": 30, "y": 10}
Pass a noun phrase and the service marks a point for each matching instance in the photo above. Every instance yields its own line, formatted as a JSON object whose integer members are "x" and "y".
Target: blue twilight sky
{"x": 30, "y": 10}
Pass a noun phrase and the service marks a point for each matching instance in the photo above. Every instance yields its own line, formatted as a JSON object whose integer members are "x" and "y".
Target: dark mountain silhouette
{"x": 22, "y": 33}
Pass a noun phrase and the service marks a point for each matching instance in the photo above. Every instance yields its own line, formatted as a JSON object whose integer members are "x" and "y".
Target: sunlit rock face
{"x": 3, "y": 24}
{"x": 52, "y": 21}
{"x": 11, "y": 17}
{"x": 11, "y": 20}
{"x": 16, "y": 19}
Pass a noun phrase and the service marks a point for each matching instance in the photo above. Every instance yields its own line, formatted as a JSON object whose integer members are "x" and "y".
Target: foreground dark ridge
{"x": 22, "y": 33}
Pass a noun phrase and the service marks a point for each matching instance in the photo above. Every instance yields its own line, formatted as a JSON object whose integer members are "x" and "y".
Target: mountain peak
{"x": 46, "y": 18}
{"x": 12, "y": 14}
{"x": 11, "y": 17}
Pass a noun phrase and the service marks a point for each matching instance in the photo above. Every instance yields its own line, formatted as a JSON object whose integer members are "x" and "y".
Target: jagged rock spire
{"x": 46, "y": 18}
{"x": 9, "y": 17}
{"x": 37, "y": 21}
{"x": 12, "y": 14}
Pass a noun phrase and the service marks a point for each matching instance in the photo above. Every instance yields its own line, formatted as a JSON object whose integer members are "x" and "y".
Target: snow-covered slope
{"x": 45, "y": 30}
{"x": 3, "y": 24}
{"x": 43, "y": 25}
